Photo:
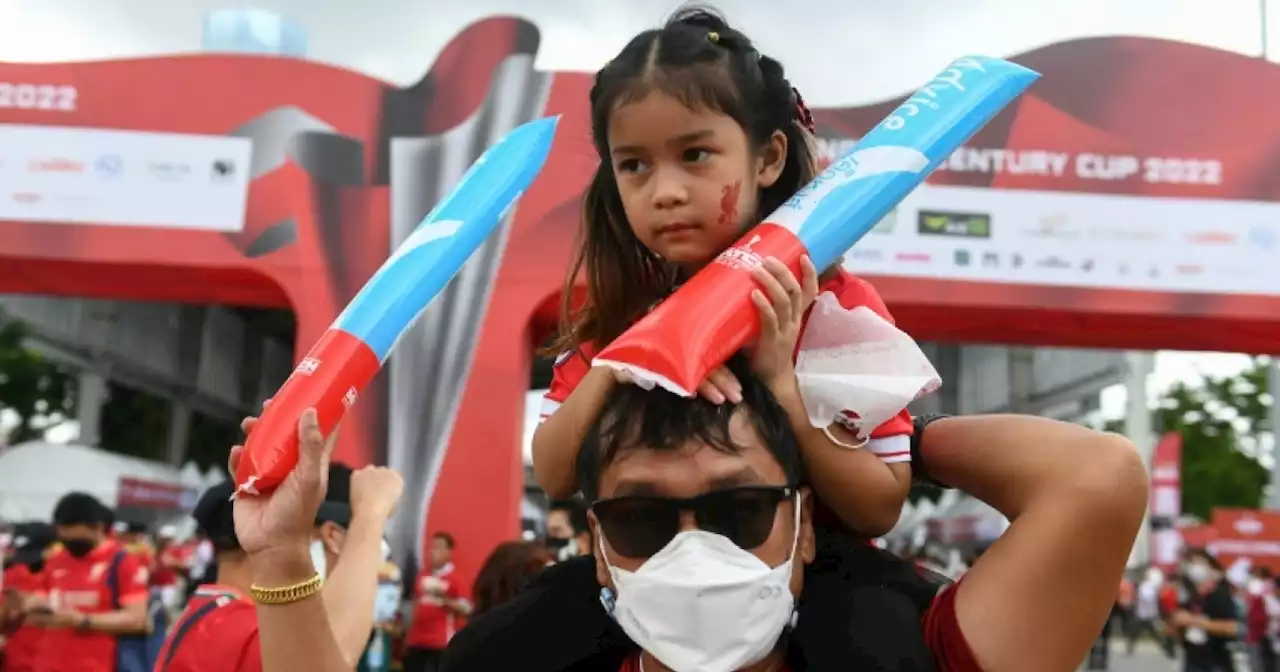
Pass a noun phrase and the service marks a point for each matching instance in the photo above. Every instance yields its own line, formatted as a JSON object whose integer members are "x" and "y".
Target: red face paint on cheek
{"x": 729, "y": 204}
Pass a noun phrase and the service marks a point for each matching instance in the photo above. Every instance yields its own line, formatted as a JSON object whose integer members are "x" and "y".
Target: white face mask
{"x": 702, "y": 604}
{"x": 1198, "y": 573}
{"x": 386, "y": 603}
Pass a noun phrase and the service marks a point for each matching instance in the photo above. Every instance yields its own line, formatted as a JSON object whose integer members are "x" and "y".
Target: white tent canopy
{"x": 33, "y": 476}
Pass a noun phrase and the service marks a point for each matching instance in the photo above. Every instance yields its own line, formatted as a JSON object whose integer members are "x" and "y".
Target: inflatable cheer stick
{"x": 350, "y": 353}
{"x": 709, "y": 318}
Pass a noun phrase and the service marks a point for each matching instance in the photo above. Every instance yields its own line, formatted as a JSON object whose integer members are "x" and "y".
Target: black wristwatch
{"x": 85, "y": 625}
{"x": 919, "y": 474}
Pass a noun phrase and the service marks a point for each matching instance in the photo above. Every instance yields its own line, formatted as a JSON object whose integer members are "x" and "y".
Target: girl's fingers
{"x": 768, "y": 315}
{"x": 710, "y": 392}
{"x": 808, "y": 279}
{"x": 774, "y": 291}
{"x": 248, "y": 424}
{"x": 727, "y": 383}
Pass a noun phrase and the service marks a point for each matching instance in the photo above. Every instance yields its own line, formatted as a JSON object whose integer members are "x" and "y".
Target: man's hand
{"x": 284, "y": 519}
{"x": 375, "y": 492}
{"x": 1186, "y": 619}
{"x": 62, "y": 618}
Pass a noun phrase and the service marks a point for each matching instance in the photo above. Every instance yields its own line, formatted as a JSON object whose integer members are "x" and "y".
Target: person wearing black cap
{"x": 218, "y": 631}
{"x": 31, "y": 544}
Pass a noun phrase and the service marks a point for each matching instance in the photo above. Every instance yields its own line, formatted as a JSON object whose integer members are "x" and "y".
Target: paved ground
{"x": 1147, "y": 658}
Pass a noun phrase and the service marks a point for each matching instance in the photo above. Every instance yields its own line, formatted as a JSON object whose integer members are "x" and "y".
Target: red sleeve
{"x": 942, "y": 633}
{"x": 854, "y": 292}
{"x": 571, "y": 367}
{"x": 134, "y": 578}
{"x": 251, "y": 659}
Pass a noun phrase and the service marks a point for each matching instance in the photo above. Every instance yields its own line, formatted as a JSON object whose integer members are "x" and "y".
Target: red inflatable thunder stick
{"x": 349, "y": 355}
{"x": 711, "y": 317}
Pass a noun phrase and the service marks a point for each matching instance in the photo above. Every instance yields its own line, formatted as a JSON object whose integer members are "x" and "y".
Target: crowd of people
{"x": 1210, "y": 616}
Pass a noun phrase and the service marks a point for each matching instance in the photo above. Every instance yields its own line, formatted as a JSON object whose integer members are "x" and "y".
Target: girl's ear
{"x": 772, "y": 160}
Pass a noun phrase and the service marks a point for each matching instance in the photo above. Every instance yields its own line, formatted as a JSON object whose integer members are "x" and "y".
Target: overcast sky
{"x": 866, "y": 50}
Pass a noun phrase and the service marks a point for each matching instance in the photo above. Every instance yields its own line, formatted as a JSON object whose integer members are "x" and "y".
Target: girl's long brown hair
{"x": 700, "y": 60}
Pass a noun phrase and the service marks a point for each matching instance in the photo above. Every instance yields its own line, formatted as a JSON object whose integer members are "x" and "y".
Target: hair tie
{"x": 803, "y": 115}
{"x": 714, "y": 37}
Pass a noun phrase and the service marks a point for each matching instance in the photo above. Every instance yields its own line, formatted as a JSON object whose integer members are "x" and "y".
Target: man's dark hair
{"x": 214, "y": 515}
{"x": 575, "y": 511}
{"x": 336, "y": 507}
{"x": 658, "y": 420}
{"x": 445, "y": 537}
{"x": 1208, "y": 557}
{"x": 80, "y": 508}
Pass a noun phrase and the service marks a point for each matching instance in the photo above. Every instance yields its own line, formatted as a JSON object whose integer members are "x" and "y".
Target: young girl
{"x": 700, "y": 136}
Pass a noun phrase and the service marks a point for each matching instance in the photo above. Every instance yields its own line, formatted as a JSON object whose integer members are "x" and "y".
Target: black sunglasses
{"x": 640, "y": 526}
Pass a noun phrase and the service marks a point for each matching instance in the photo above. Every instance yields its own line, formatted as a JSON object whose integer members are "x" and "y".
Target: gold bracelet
{"x": 288, "y": 594}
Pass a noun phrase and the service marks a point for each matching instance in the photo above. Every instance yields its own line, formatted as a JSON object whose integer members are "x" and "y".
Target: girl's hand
{"x": 782, "y": 305}
{"x": 721, "y": 386}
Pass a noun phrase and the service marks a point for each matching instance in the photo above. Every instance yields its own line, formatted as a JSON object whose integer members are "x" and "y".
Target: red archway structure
{"x": 321, "y": 206}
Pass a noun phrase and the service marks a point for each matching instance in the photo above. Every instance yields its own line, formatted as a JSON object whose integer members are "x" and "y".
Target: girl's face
{"x": 689, "y": 178}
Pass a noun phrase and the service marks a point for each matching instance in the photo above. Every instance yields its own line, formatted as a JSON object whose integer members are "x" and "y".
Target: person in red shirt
{"x": 702, "y": 524}
{"x": 31, "y": 543}
{"x": 91, "y": 592}
{"x": 172, "y": 560}
{"x": 218, "y": 631}
{"x": 438, "y": 604}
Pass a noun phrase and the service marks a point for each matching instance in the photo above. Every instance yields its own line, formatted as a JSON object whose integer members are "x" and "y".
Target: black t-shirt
{"x": 1205, "y": 651}
{"x": 862, "y": 610}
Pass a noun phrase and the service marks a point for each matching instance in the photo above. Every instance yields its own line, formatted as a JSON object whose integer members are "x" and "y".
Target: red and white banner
{"x": 1246, "y": 534}
{"x": 135, "y": 492}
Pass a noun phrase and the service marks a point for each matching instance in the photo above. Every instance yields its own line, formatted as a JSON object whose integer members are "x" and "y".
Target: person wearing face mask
{"x": 1146, "y": 617}
{"x": 93, "y": 592}
{"x": 701, "y": 550}
{"x": 568, "y": 534}
{"x": 1207, "y": 620}
{"x": 218, "y": 631}
{"x": 23, "y": 577}
{"x": 438, "y": 605}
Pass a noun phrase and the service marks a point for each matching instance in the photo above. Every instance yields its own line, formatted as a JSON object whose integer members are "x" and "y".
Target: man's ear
{"x": 331, "y": 535}
{"x": 597, "y": 552}
{"x": 806, "y": 545}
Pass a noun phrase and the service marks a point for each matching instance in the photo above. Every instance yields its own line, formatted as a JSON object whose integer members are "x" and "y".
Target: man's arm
{"x": 130, "y": 619}
{"x": 1038, "y": 597}
{"x": 132, "y": 579}
{"x": 349, "y": 591}
{"x": 297, "y": 635}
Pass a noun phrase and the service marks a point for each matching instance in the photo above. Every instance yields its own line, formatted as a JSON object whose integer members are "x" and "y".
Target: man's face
{"x": 560, "y": 529}
{"x": 558, "y": 526}
{"x": 440, "y": 552}
{"x": 696, "y": 470}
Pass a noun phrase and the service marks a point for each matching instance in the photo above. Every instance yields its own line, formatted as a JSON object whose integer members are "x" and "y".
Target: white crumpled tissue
{"x": 857, "y": 369}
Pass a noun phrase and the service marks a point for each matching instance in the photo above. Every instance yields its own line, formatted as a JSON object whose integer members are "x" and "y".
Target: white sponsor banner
{"x": 123, "y": 178}
{"x": 1077, "y": 240}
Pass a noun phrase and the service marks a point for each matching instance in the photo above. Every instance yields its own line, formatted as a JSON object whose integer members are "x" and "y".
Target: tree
{"x": 1222, "y": 421}
{"x": 41, "y": 392}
